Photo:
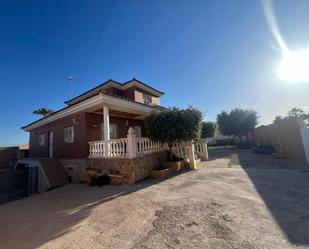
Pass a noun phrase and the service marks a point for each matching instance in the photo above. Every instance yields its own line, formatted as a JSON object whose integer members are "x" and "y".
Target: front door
{"x": 51, "y": 143}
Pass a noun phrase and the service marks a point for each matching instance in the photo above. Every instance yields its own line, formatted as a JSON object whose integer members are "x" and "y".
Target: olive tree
{"x": 208, "y": 129}
{"x": 237, "y": 122}
{"x": 174, "y": 125}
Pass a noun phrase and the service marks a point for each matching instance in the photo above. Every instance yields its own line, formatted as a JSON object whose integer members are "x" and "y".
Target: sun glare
{"x": 294, "y": 66}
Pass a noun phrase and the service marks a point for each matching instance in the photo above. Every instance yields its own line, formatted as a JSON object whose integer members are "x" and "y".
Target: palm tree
{"x": 43, "y": 111}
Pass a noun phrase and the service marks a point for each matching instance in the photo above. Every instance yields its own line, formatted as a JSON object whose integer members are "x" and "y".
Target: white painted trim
{"x": 91, "y": 102}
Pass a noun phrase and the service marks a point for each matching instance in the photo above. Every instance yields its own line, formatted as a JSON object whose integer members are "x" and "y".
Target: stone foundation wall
{"x": 135, "y": 169}
{"x": 76, "y": 169}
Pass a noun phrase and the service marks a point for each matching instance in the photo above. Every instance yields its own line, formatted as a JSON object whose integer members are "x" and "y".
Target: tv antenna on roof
{"x": 70, "y": 79}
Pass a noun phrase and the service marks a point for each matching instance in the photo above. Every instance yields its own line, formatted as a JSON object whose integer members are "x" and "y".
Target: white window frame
{"x": 42, "y": 139}
{"x": 147, "y": 99}
{"x": 69, "y": 134}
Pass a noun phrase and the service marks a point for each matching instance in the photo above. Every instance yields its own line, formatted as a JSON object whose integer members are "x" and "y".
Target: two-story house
{"x": 95, "y": 125}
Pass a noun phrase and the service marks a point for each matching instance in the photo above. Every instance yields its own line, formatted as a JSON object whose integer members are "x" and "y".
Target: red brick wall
{"x": 74, "y": 150}
{"x": 94, "y": 121}
{"x": 88, "y": 129}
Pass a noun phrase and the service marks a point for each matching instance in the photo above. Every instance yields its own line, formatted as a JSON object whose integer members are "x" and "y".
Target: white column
{"x": 131, "y": 149}
{"x": 106, "y": 123}
{"x": 205, "y": 150}
{"x": 191, "y": 154}
{"x": 106, "y": 130}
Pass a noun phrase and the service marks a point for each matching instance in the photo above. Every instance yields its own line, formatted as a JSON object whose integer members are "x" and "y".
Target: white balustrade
{"x": 201, "y": 150}
{"x": 116, "y": 148}
{"x": 132, "y": 147}
{"x": 146, "y": 146}
{"x": 181, "y": 150}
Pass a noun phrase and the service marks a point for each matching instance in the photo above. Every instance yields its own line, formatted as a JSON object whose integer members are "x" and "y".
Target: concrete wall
{"x": 287, "y": 133}
{"x": 305, "y": 138}
{"x": 7, "y": 154}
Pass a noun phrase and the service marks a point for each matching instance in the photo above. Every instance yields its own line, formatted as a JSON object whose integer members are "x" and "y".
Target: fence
{"x": 132, "y": 147}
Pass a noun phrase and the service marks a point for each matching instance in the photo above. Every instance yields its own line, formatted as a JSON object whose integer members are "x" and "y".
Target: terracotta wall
{"x": 288, "y": 134}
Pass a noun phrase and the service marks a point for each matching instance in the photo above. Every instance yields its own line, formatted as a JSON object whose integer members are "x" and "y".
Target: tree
{"x": 208, "y": 129}
{"x": 299, "y": 113}
{"x": 174, "y": 125}
{"x": 43, "y": 111}
{"x": 278, "y": 119}
{"x": 237, "y": 122}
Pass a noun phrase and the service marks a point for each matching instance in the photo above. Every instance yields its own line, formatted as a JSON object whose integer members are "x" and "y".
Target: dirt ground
{"x": 234, "y": 200}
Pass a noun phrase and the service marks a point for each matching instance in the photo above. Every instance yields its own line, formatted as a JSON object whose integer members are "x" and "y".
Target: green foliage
{"x": 43, "y": 111}
{"x": 294, "y": 113}
{"x": 299, "y": 113}
{"x": 237, "y": 121}
{"x": 278, "y": 119}
{"x": 174, "y": 125}
{"x": 208, "y": 129}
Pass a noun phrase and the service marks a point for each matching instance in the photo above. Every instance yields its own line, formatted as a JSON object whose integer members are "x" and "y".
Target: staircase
{"x": 54, "y": 172}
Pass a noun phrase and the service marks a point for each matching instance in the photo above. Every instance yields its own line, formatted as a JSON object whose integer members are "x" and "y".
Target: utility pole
{"x": 70, "y": 79}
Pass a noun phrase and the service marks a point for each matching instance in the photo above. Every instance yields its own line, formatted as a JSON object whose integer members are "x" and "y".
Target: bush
{"x": 99, "y": 180}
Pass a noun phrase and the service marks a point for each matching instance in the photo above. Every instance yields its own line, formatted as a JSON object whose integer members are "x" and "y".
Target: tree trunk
{"x": 170, "y": 152}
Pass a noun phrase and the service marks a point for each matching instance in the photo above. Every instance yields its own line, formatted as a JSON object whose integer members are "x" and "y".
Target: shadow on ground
{"x": 282, "y": 184}
{"x": 34, "y": 221}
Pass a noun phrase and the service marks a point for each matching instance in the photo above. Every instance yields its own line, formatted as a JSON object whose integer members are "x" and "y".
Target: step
{"x": 117, "y": 179}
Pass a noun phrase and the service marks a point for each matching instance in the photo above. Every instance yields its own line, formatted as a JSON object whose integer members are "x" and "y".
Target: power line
{"x": 109, "y": 12}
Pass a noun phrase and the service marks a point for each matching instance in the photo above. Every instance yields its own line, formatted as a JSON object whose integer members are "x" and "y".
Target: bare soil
{"x": 235, "y": 200}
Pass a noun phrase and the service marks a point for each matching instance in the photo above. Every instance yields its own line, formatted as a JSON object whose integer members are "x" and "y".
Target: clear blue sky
{"x": 214, "y": 55}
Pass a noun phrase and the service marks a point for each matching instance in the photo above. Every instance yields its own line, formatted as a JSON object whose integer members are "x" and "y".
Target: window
{"x": 69, "y": 134}
{"x": 41, "y": 139}
{"x": 147, "y": 99}
{"x": 113, "y": 131}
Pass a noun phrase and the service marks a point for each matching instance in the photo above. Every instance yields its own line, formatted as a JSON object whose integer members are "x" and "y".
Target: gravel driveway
{"x": 235, "y": 200}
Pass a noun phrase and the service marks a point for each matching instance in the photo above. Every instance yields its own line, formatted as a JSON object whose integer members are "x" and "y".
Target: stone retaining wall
{"x": 135, "y": 169}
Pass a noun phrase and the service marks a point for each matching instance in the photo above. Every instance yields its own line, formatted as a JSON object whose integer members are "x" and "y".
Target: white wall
{"x": 305, "y": 137}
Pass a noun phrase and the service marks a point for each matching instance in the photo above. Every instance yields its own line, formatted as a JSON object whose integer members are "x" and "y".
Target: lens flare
{"x": 294, "y": 66}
